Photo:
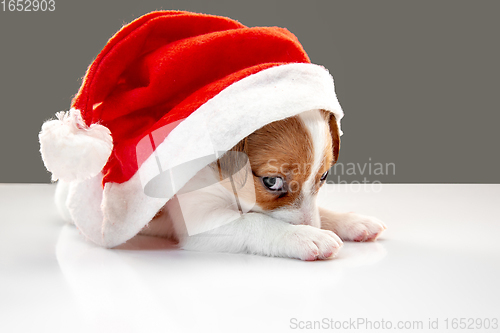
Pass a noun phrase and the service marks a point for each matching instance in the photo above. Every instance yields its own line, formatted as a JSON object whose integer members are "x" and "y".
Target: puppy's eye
{"x": 273, "y": 183}
{"x": 323, "y": 177}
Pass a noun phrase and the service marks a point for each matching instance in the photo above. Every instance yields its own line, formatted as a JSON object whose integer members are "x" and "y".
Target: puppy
{"x": 289, "y": 161}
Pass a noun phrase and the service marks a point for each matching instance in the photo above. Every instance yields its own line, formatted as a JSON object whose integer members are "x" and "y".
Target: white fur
{"x": 61, "y": 195}
{"x": 215, "y": 204}
{"x": 71, "y": 150}
{"x": 318, "y": 129}
{"x": 303, "y": 212}
{"x": 259, "y": 233}
{"x": 352, "y": 226}
{"x": 254, "y": 232}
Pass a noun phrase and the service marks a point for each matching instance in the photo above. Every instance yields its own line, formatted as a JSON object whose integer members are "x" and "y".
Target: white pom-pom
{"x": 71, "y": 150}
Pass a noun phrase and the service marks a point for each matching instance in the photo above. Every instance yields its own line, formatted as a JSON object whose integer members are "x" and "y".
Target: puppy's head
{"x": 290, "y": 160}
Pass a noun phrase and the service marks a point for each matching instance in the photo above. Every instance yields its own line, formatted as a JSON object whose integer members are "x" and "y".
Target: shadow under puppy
{"x": 289, "y": 161}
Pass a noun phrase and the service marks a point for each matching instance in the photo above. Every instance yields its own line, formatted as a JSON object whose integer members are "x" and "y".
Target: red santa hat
{"x": 169, "y": 88}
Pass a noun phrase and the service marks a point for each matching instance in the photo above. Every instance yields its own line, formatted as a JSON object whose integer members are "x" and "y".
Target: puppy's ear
{"x": 334, "y": 131}
{"x": 233, "y": 160}
{"x": 240, "y": 146}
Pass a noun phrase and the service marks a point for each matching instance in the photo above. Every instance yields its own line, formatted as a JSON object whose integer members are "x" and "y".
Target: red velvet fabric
{"x": 163, "y": 66}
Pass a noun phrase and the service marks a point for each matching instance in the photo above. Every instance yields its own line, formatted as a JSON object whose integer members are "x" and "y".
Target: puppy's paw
{"x": 309, "y": 243}
{"x": 359, "y": 228}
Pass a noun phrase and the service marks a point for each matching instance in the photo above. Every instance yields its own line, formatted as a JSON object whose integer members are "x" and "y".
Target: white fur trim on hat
{"x": 71, "y": 150}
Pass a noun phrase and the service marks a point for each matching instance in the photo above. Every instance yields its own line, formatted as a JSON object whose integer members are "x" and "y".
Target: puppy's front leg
{"x": 261, "y": 234}
{"x": 351, "y": 226}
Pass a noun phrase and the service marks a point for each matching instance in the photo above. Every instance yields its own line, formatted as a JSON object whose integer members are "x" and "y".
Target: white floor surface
{"x": 436, "y": 267}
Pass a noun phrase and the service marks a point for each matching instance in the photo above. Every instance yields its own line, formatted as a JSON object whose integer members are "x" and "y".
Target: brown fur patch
{"x": 331, "y": 153}
{"x": 326, "y": 164}
{"x": 283, "y": 149}
{"x": 334, "y": 131}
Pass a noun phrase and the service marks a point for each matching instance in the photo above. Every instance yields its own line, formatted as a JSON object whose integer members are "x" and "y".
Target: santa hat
{"x": 168, "y": 88}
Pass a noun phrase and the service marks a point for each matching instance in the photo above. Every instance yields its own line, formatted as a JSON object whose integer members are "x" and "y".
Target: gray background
{"x": 418, "y": 80}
